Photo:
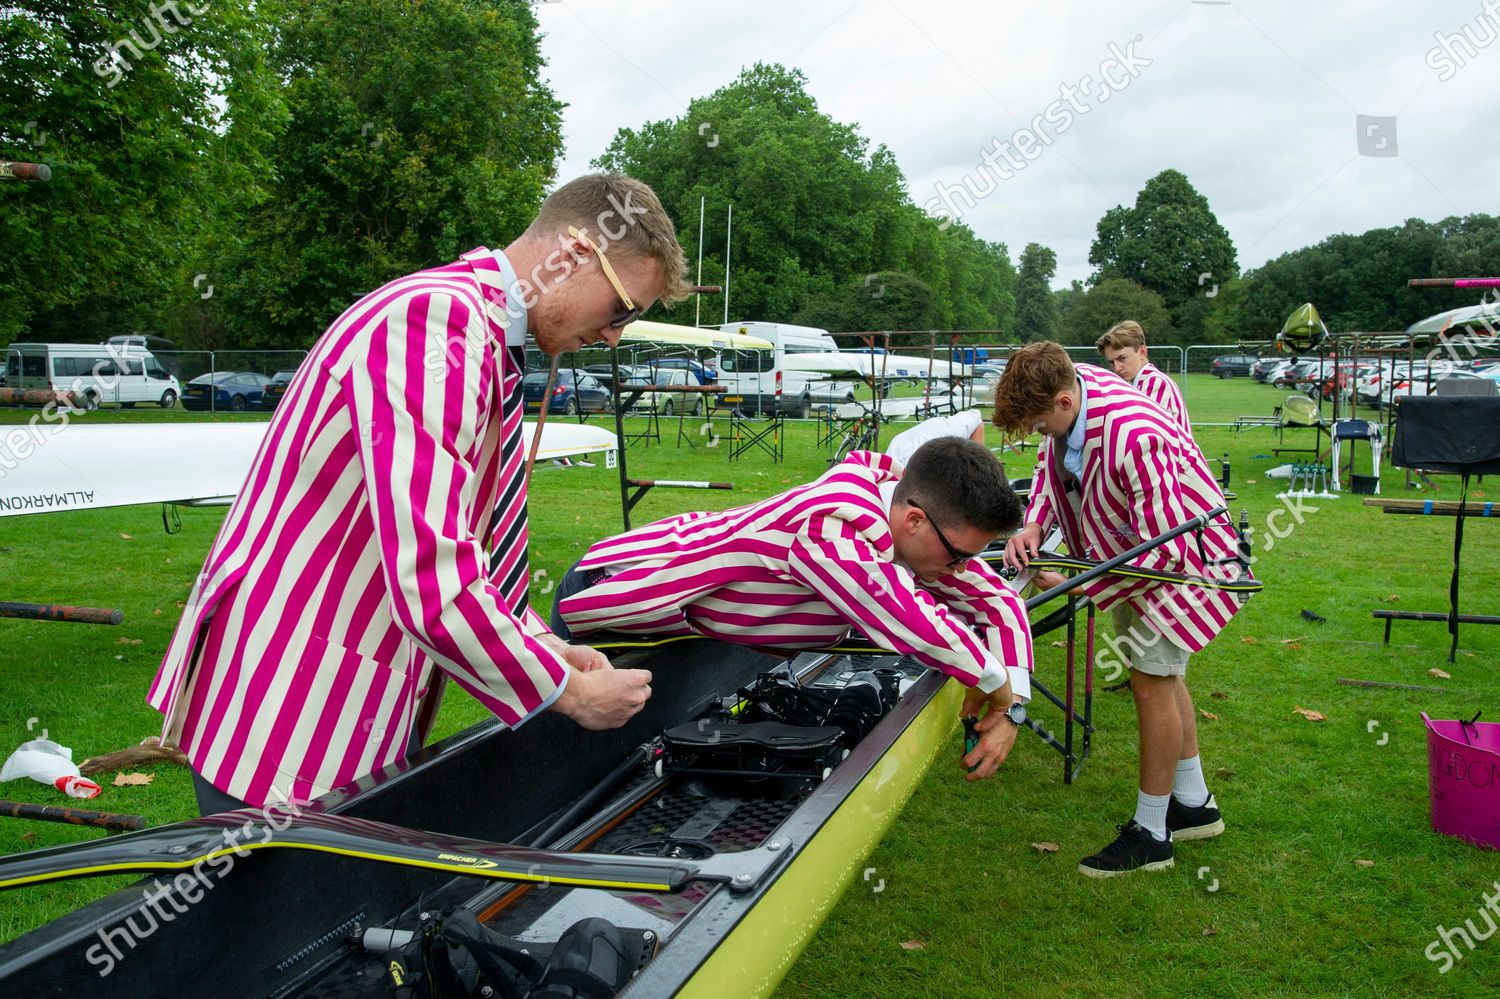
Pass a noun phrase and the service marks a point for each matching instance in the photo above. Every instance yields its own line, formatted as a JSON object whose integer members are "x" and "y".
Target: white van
{"x": 98, "y": 374}
{"x": 759, "y": 376}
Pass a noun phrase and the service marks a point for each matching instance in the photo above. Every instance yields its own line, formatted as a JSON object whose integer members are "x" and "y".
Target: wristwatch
{"x": 1016, "y": 713}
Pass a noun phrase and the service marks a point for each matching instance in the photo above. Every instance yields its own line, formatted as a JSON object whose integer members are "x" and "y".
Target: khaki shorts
{"x": 1144, "y": 648}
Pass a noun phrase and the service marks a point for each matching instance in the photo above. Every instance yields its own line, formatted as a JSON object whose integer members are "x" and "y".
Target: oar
{"x": 1104, "y": 568}
{"x": 1052, "y": 560}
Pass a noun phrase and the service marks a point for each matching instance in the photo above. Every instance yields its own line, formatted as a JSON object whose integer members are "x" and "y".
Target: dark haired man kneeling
{"x": 866, "y": 546}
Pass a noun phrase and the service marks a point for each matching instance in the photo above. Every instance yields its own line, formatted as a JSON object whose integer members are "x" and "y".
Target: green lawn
{"x": 1292, "y": 913}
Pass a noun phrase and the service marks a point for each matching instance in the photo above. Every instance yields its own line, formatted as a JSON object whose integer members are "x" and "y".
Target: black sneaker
{"x": 1201, "y": 822}
{"x": 1135, "y": 849}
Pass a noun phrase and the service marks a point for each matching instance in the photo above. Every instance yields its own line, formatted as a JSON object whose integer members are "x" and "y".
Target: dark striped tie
{"x": 509, "y": 562}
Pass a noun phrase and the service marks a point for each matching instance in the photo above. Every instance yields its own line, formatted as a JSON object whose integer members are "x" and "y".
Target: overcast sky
{"x": 1255, "y": 101}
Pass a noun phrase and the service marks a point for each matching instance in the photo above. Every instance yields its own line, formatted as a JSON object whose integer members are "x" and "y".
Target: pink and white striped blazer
{"x": 1141, "y": 477}
{"x": 352, "y": 562}
{"x": 1159, "y": 387}
{"x": 799, "y": 570}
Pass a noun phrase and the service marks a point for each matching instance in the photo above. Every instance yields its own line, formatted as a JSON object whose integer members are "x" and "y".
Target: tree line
{"x": 234, "y": 174}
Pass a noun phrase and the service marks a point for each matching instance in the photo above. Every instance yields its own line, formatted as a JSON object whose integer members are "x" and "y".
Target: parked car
{"x": 667, "y": 403}
{"x": 232, "y": 390}
{"x": 1298, "y": 372}
{"x": 1229, "y": 365}
{"x": 1423, "y": 380}
{"x": 703, "y": 374}
{"x": 573, "y": 393}
{"x": 277, "y": 387}
{"x": 1261, "y": 369}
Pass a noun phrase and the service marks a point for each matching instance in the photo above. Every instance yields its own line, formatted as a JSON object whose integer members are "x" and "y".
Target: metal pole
{"x": 728, "y": 234}
{"x": 698, "y": 299}
{"x": 614, "y": 365}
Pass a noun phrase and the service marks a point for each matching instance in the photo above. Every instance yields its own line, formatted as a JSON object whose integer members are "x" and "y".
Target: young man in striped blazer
{"x": 1124, "y": 350}
{"x": 869, "y": 545}
{"x": 1115, "y": 469}
{"x": 381, "y": 535}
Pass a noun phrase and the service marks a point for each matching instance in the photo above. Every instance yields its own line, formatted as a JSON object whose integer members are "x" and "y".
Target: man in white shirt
{"x": 969, "y": 423}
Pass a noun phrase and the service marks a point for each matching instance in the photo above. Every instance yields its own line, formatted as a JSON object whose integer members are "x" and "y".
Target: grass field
{"x": 1329, "y": 880}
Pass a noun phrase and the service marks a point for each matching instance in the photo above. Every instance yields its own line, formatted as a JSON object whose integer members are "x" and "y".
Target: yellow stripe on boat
{"x": 757, "y": 954}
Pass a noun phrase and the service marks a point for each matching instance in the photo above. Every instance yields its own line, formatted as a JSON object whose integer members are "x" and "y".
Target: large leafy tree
{"x": 816, "y": 208}
{"x": 1113, "y": 301}
{"x": 153, "y": 120}
{"x": 1036, "y": 308}
{"x": 415, "y": 132}
{"x": 1169, "y": 241}
{"x": 884, "y": 300}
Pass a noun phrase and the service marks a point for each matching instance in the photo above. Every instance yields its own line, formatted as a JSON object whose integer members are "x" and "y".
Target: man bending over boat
{"x": 1115, "y": 469}
{"x": 866, "y": 546}
{"x": 379, "y": 544}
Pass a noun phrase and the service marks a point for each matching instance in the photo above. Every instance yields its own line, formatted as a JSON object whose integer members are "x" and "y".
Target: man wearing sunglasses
{"x": 890, "y": 552}
{"x": 379, "y": 545}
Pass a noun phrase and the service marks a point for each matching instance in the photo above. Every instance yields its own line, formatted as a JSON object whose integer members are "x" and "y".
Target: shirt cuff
{"x": 992, "y": 679}
{"x": 1020, "y": 683}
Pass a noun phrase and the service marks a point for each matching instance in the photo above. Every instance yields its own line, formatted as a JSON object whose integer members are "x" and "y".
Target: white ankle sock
{"x": 1151, "y": 813}
{"x": 1188, "y": 787}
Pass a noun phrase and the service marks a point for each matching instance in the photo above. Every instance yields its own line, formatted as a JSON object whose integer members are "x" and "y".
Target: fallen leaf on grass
{"x": 1249, "y": 640}
{"x": 1468, "y": 655}
{"x": 1309, "y": 715}
{"x": 1293, "y": 646}
{"x": 1220, "y": 695}
{"x": 128, "y": 537}
{"x": 128, "y": 641}
{"x": 1059, "y": 645}
{"x": 125, "y": 780}
{"x": 1289, "y": 641}
{"x": 1441, "y": 674}
{"x": 1364, "y": 863}
{"x": 1210, "y": 931}
{"x": 912, "y": 945}
{"x": 1044, "y": 847}
{"x": 1392, "y": 598}
{"x": 156, "y": 613}
{"x": 1223, "y": 773}
{"x": 1208, "y": 714}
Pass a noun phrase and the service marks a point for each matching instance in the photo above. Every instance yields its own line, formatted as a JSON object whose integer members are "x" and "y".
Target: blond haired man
{"x": 380, "y": 542}
{"x": 1124, "y": 350}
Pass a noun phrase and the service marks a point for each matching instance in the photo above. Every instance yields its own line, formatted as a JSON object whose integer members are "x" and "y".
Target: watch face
{"x": 1017, "y": 713}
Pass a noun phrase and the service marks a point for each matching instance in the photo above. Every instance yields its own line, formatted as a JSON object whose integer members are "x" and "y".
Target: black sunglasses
{"x": 959, "y": 556}
{"x": 625, "y": 317}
